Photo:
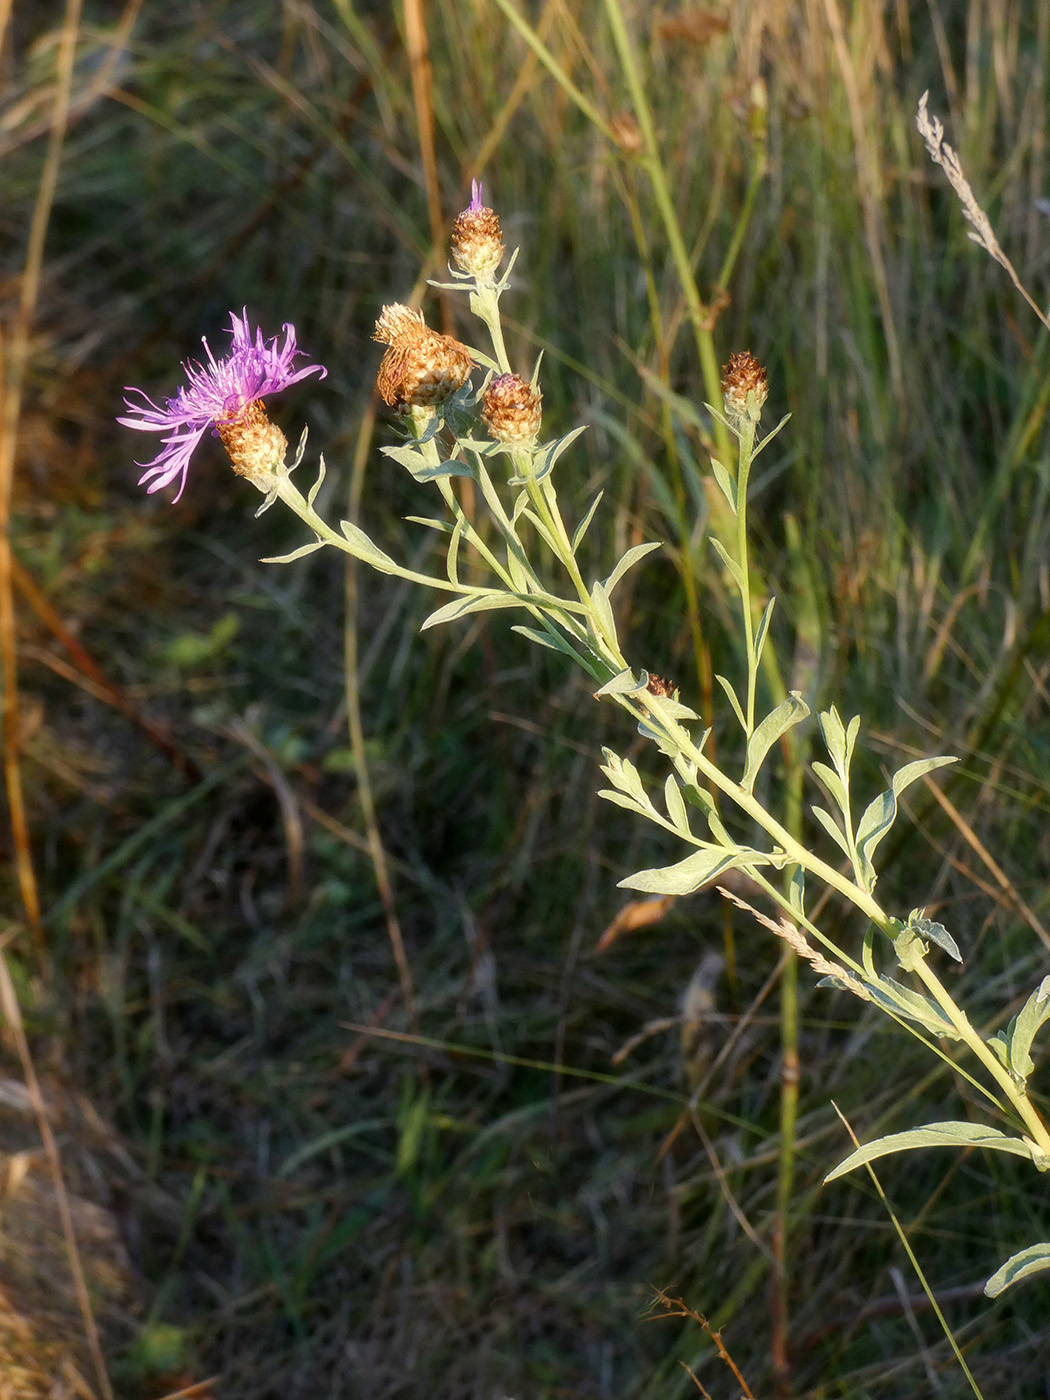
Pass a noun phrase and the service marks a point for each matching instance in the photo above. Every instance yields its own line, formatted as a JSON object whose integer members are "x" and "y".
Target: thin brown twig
{"x": 12, "y": 1015}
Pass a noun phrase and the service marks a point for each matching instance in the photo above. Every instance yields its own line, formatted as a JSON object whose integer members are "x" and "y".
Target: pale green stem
{"x": 746, "y": 455}
{"x": 1017, "y": 1098}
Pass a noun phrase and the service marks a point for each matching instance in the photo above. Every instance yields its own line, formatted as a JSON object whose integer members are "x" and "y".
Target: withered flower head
{"x": 744, "y": 386}
{"x": 659, "y": 685}
{"x": 511, "y": 409}
{"x": 477, "y": 240}
{"x": 254, "y": 445}
{"x": 422, "y": 367}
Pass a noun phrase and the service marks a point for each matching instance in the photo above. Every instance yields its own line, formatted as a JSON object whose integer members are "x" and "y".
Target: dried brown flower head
{"x": 422, "y": 367}
{"x": 659, "y": 685}
{"x": 477, "y": 240}
{"x": 254, "y": 445}
{"x": 744, "y": 386}
{"x": 511, "y": 409}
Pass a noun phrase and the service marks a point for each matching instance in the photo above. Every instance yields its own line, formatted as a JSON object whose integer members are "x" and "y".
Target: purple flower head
{"x": 475, "y": 206}
{"x": 217, "y": 392}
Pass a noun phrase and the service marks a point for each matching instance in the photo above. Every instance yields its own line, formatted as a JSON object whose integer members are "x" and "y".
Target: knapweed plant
{"x": 526, "y": 559}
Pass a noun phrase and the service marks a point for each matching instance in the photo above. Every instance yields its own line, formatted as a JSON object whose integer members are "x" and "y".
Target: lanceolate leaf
{"x": 902, "y": 1001}
{"x": 827, "y": 821}
{"x": 726, "y": 483}
{"x": 731, "y": 564}
{"x": 685, "y": 877}
{"x": 731, "y": 693}
{"x": 600, "y": 603}
{"x": 364, "y": 548}
{"x": 632, "y": 557}
{"x": 625, "y": 683}
{"x": 839, "y": 740}
{"x": 1021, "y": 1265}
{"x": 581, "y": 528}
{"x": 300, "y": 553}
{"x": 476, "y": 602}
{"x": 882, "y": 812}
{"x": 761, "y": 634}
{"x": 699, "y": 868}
{"x": 787, "y": 713}
{"x": 1013, "y": 1046}
{"x": 950, "y": 1134}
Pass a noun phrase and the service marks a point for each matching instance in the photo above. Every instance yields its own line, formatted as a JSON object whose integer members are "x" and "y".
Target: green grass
{"x": 321, "y": 1212}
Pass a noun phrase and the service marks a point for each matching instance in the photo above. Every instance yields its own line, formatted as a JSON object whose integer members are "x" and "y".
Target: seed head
{"x": 421, "y": 368}
{"x": 477, "y": 240}
{"x": 744, "y": 386}
{"x": 511, "y": 409}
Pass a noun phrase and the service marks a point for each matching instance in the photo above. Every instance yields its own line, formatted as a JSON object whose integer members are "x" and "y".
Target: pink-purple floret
{"x": 215, "y": 392}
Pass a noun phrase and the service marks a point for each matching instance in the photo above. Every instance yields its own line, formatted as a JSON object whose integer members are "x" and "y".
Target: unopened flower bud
{"x": 477, "y": 241}
{"x": 255, "y": 446}
{"x": 511, "y": 409}
{"x": 422, "y": 367}
{"x": 744, "y": 386}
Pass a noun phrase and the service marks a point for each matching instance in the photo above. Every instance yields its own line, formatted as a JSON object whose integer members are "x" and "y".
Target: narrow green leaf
{"x": 582, "y": 527}
{"x": 913, "y": 1006}
{"x": 546, "y": 639}
{"x": 600, "y": 603}
{"x": 444, "y": 527}
{"x": 474, "y": 602}
{"x": 771, "y": 435}
{"x": 623, "y": 799}
{"x": 554, "y": 451}
{"x": 452, "y": 558}
{"x": 675, "y": 805}
{"x": 760, "y": 635}
{"x": 834, "y": 736}
{"x": 731, "y": 565}
{"x": 365, "y": 550}
{"x": 1019, "y": 1034}
{"x": 881, "y": 813}
{"x": 1026, "y": 1262}
{"x": 731, "y": 693}
{"x": 312, "y": 494}
{"x": 625, "y": 683}
{"x": 726, "y": 482}
{"x": 950, "y": 1134}
{"x": 829, "y": 824}
{"x": 300, "y": 553}
{"x": 834, "y": 785}
{"x": 685, "y": 877}
{"x": 632, "y": 557}
{"x": 789, "y": 712}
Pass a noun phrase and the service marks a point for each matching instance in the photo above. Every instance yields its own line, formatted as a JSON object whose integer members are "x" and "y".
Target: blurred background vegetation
{"x": 483, "y": 1204}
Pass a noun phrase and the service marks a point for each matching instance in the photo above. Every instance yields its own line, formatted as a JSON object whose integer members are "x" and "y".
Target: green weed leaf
{"x": 474, "y": 602}
{"x": 913, "y": 1006}
{"x": 838, "y": 739}
{"x": 760, "y": 635}
{"x": 300, "y": 553}
{"x": 685, "y": 877}
{"x": 581, "y": 528}
{"x": 834, "y": 785}
{"x": 731, "y": 693}
{"x": 789, "y": 712}
{"x": 632, "y": 557}
{"x": 312, "y": 496}
{"x": 732, "y": 566}
{"x": 726, "y": 482}
{"x": 602, "y": 608}
{"x": 880, "y": 814}
{"x": 365, "y": 550}
{"x": 675, "y": 805}
{"x": 950, "y": 1134}
{"x": 1026, "y": 1262}
{"x": 1014, "y": 1044}
{"x": 830, "y": 825}
{"x": 625, "y": 683}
